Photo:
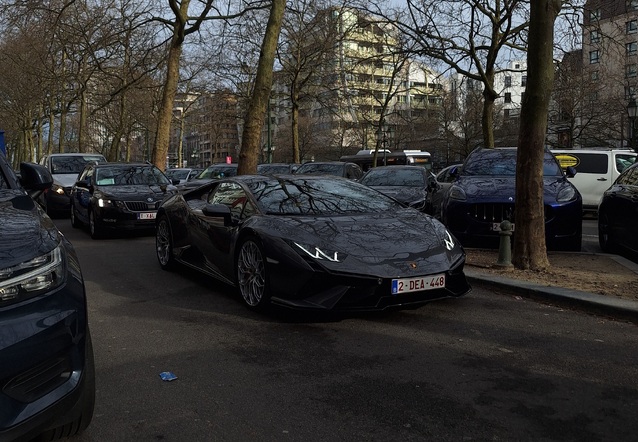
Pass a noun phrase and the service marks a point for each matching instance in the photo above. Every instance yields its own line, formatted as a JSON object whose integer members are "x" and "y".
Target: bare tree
{"x": 529, "y": 242}
{"x": 257, "y": 106}
{"x": 183, "y": 24}
{"x": 469, "y": 37}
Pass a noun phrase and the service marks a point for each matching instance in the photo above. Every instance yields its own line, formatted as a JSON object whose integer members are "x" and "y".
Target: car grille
{"x": 497, "y": 212}
{"x": 492, "y": 212}
{"x": 141, "y": 206}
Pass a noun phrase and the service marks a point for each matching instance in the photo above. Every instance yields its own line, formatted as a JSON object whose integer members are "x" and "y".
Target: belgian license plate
{"x": 407, "y": 285}
{"x": 146, "y": 215}
{"x": 496, "y": 227}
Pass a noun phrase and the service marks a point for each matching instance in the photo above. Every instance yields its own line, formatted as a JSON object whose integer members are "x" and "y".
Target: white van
{"x": 597, "y": 169}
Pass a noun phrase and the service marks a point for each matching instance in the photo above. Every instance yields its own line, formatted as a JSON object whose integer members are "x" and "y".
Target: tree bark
{"x": 256, "y": 112}
{"x": 529, "y": 238}
{"x": 165, "y": 116}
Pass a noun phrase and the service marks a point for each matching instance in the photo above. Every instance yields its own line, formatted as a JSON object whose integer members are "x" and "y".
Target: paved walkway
{"x": 590, "y": 302}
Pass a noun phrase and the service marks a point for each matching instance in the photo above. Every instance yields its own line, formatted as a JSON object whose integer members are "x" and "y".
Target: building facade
{"x": 610, "y": 73}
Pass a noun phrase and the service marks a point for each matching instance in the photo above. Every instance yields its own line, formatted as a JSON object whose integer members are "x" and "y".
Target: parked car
{"x": 444, "y": 180}
{"x": 212, "y": 172}
{"x": 618, "y": 213}
{"x": 47, "y": 378}
{"x": 182, "y": 174}
{"x": 406, "y": 184}
{"x": 65, "y": 168}
{"x": 276, "y": 168}
{"x": 310, "y": 242}
{"x": 597, "y": 170}
{"x": 348, "y": 170}
{"x": 113, "y": 197}
{"x": 483, "y": 195}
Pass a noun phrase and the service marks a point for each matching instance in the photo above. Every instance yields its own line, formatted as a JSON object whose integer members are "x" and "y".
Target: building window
{"x": 508, "y": 81}
{"x": 524, "y": 80}
{"x": 594, "y": 14}
{"x": 506, "y": 113}
{"x": 632, "y": 5}
{"x": 594, "y": 37}
{"x": 631, "y": 26}
{"x": 630, "y": 91}
{"x": 593, "y": 57}
{"x": 594, "y": 76}
{"x": 631, "y": 48}
{"x": 631, "y": 71}
{"x": 508, "y": 97}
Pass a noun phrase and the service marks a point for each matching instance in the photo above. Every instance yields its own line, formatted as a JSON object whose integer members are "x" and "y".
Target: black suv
{"x": 47, "y": 378}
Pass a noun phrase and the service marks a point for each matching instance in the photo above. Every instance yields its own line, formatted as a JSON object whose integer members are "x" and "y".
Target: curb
{"x": 618, "y": 308}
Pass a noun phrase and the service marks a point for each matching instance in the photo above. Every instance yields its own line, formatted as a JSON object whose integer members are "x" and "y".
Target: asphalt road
{"x": 590, "y": 235}
{"x": 489, "y": 366}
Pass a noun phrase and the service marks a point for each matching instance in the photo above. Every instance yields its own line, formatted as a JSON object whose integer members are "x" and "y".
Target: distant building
{"x": 360, "y": 81}
{"x": 212, "y": 134}
{"x": 610, "y": 70}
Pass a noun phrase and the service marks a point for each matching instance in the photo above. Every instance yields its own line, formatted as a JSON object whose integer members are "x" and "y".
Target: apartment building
{"x": 364, "y": 92}
{"x": 610, "y": 72}
{"x": 212, "y": 130}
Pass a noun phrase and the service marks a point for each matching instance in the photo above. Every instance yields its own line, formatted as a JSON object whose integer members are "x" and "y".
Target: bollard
{"x": 505, "y": 247}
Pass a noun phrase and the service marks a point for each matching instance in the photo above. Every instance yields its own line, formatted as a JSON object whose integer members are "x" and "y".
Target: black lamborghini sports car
{"x": 310, "y": 242}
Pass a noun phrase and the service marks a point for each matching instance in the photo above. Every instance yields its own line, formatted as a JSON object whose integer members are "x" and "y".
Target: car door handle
{"x": 602, "y": 179}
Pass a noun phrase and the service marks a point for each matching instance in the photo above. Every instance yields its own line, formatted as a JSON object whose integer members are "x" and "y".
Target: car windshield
{"x": 178, "y": 174}
{"x": 323, "y": 169}
{"x": 73, "y": 163}
{"x": 393, "y": 177}
{"x": 129, "y": 175}
{"x": 273, "y": 168}
{"x": 217, "y": 172}
{"x": 502, "y": 162}
{"x": 319, "y": 197}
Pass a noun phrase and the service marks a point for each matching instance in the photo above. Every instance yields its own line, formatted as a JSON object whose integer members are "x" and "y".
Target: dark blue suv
{"x": 47, "y": 378}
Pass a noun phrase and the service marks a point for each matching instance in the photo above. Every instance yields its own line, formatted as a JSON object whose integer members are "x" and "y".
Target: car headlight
{"x": 320, "y": 253}
{"x": 456, "y": 193}
{"x": 567, "y": 193}
{"x": 30, "y": 278}
{"x": 57, "y": 189}
{"x": 105, "y": 202}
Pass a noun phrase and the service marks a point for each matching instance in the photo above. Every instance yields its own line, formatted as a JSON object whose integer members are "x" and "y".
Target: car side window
{"x": 235, "y": 198}
{"x": 592, "y": 163}
{"x": 629, "y": 178}
{"x": 624, "y": 161}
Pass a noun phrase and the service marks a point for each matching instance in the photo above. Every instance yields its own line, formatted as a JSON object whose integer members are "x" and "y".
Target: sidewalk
{"x": 590, "y": 302}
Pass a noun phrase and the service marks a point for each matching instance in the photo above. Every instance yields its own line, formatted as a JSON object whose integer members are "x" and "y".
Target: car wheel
{"x": 164, "y": 244}
{"x": 250, "y": 270}
{"x": 94, "y": 226}
{"x": 605, "y": 239}
{"x": 77, "y": 419}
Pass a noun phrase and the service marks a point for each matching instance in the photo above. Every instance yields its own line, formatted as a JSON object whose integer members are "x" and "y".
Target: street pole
{"x": 269, "y": 146}
{"x": 632, "y": 112}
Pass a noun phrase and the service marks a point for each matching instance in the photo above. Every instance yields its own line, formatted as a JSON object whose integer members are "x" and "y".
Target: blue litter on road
{"x": 167, "y": 376}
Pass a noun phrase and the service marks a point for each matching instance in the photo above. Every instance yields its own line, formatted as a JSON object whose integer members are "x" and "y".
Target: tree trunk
{"x": 529, "y": 238}
{"x": 295, "y": 125}
{"x": 82, "y": 122}
{"x": 49, "y": 150}
{"x": 256, "y": 112}
{"x": 487, "y": 117}
{"x": 165, "y": 115}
